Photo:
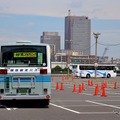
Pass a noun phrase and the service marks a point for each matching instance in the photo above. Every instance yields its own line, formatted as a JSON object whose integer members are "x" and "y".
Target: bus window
{"x": 82, "y": 67}
{"x": 24, "y": 55}
{"x": 74, "y": 67}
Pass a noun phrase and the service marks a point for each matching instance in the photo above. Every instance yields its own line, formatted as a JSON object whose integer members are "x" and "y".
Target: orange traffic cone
{"x": 57, "y": 86}
{"x": 83, "y": 87}
{"x": 63, "y": 78}
{"x": 80, "y": 89}
{"x": 89, "y": 82}
{"x": 103, "y": 86}
{"x": 73, "y": 78}
{"x": 96, "y": 90}
{"x": 115, "y": 85}
{"x": 103, "y": 92}
{"x": 61, "y": 86}
{"x": 74, "y": 88}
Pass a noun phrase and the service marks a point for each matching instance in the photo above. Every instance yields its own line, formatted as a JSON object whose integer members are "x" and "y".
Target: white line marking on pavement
{"x": 67, "y": 100}
{"x": 107, "y": 100}
{"x": 102, "y": 104}
{"x": 87, "y": 94}
{"x": 80, "y": 112}
{"x": 81, "y": 105}
{"x": 65, "y": 108}
{"x": 11, "y": 108}
{"x": 96, "y": 113}
{"x": 113, "y": 93}
{"x": 8, "y": 108}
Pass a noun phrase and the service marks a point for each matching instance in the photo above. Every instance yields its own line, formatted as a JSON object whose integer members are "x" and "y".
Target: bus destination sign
{"x": 24, "y": 54}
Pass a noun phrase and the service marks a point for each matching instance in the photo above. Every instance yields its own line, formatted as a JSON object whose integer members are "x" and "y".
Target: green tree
{"x": 56, "y": 69}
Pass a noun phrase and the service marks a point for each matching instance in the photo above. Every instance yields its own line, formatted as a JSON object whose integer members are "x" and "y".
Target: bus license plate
{"x": 22, "y": 90}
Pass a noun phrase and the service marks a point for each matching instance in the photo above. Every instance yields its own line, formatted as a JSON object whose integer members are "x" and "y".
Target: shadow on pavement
{"x": 23, "y": 104}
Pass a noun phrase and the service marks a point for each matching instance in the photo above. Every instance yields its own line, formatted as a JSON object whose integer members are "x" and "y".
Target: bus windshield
{"x": 24, "y": 55}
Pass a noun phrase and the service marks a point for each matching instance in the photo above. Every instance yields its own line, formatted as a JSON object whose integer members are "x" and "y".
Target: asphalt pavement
{"x": 74, "y": 99}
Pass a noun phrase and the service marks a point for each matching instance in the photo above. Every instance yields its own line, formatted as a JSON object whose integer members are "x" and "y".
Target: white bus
{"x": 25, "y": 73}
{"x": 88, "y": 70}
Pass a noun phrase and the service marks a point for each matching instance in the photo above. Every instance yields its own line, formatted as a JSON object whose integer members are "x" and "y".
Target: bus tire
{"x": 88, "y": 76}
{"x": 46, "y": 103}
{"x": 108, "y": 75}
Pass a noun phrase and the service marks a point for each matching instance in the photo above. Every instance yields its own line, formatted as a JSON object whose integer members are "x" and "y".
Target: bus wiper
{"x": 34, "y": 64}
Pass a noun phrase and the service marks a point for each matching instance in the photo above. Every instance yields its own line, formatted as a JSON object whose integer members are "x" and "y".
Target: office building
{"x": 53, "y": 39}
{"x": 78, "y": 34}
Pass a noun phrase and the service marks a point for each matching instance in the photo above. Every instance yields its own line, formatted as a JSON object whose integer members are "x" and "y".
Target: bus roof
{"x": 23, "y": 43}
{"x": 107, "y": 64}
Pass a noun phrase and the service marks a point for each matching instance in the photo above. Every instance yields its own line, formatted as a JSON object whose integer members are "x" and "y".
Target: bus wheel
{"x": 46, "y": 103}
{"x": 88, "y": 76}
{"x": 108, "y": 75}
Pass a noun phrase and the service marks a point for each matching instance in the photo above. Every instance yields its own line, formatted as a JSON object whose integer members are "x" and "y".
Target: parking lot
{"x": 90, "y": 102}
{"x": 74, "y": 99}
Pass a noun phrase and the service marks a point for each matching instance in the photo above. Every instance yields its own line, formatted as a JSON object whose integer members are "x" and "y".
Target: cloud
{"x": 30, "y": 25}
{"x": 106, "y": 9}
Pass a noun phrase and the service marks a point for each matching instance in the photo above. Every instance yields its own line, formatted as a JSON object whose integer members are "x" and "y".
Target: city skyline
{"x": 19, "y": 22}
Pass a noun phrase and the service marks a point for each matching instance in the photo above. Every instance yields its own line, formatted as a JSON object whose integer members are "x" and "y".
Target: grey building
{"x": 53, "y": 39}
{"x": 78, "y": 33}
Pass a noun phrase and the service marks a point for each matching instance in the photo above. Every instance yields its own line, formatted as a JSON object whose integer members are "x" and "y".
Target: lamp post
{"x": 96, "y": 35}
{"x": 69, "y": 54}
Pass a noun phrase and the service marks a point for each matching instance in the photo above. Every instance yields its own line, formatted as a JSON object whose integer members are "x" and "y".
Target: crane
{"x": 103, "y": 56}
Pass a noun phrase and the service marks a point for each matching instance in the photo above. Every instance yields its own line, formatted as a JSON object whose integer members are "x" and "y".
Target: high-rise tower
{"x": 77, "y": 33}
{"x": 53, "y": 39}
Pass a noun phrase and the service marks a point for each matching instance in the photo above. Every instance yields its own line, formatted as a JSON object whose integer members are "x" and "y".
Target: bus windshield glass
{"x": 24, "y": 55}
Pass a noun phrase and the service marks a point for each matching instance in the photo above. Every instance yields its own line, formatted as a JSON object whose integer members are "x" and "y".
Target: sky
{"x": 28, "y": 19}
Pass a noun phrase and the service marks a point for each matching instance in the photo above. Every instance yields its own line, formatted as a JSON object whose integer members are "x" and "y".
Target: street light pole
{"x": 96, "y": 35}
{"x": 69, "y": 37}
{"x": 68, "y": 57}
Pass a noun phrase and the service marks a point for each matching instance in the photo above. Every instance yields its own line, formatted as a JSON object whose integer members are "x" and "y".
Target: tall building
{"x": 78, "y": 34}
{"x": 53, "y": 39}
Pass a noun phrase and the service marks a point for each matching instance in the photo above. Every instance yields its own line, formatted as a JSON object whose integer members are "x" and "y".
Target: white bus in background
{"x": 88, "y": 70}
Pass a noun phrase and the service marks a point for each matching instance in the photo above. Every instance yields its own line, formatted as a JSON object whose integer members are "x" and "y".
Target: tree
{"x": 56, "y": 69}
{"x": 59, "y": 70}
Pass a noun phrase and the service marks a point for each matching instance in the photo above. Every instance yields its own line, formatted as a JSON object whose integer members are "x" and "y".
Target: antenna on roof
{"x": 69, "y": 12}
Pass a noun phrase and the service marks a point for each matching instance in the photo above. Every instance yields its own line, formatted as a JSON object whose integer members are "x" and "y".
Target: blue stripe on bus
{"x": 90, "y": 72}
{"x": 102, "y": 73}
{"x": 37, "y": 79}
{"x": 98, "y": 72}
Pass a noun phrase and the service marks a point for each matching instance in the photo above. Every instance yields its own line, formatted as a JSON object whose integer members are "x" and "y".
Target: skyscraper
{"x": 78, "y": 33}
{"x": 53, "y": 39}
